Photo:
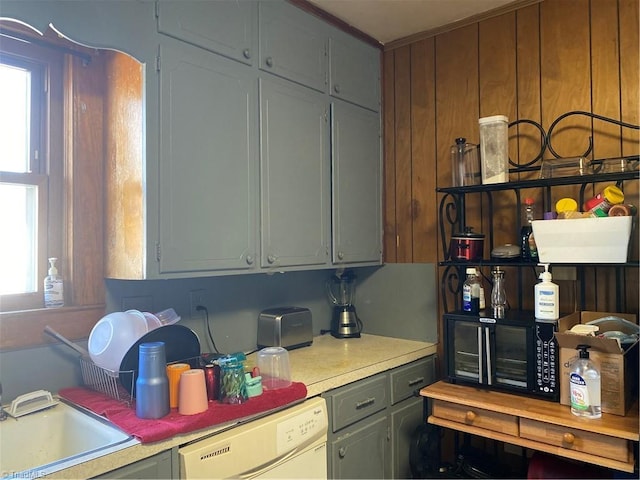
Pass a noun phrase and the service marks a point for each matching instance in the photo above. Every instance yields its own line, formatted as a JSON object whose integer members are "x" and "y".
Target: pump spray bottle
{"x": 546, "y": 297}
{"x": 584, "y": 382}
{"x": 53, "y": 287}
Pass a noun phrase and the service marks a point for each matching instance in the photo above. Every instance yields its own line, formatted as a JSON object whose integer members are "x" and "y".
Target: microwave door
{"x": 465, "y": 357}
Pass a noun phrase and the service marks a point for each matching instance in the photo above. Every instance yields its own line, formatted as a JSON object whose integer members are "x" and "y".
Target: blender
{"x": 341, "y": 290}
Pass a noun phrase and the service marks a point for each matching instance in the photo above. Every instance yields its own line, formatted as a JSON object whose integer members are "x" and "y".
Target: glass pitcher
{"x": 341, "y": 289}
{"x": 465, "y": 164}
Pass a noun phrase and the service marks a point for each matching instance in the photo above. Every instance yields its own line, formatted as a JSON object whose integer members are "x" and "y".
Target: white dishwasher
{"x": 291, "y": 443}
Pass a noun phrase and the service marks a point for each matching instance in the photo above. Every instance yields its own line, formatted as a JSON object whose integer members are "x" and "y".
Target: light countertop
{"x": 328, "y": 363}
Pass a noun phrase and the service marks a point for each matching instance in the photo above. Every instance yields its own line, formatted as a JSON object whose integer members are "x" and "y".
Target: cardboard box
{"x": 618, "y": 368}
{"x": 583, "y": 240}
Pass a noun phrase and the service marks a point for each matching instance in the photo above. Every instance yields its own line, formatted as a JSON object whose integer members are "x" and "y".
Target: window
{"x": 30, "y": 169}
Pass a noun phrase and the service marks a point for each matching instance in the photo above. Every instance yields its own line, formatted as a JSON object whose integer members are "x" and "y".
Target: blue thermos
{"x": 152, "y": 385}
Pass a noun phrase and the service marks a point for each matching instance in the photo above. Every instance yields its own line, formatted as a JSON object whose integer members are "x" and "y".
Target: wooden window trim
{"x": 81, "y": 223}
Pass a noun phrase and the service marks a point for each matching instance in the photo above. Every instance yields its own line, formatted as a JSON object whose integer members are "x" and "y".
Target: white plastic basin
{"x": 59, "y": 437}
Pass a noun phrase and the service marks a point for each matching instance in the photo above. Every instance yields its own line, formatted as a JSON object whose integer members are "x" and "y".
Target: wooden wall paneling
{"x": 605, "y": 98}
{"x": 605, "y": 78}
{"x": 629, "y": 21}
{"x": 404, "y": 220}
{"x": 124, "y": 175}
{"x": 85, "y": 180}
{"x": 566, "y": 85}
{"x": 498, "y": 91}
{"x": 528, "y": 87}
{"x": 527, "y": 138}
{"x": 424, "y": 205}
{"x": 388, "y": 118}
{"x": 456, "y": 109}
{"x": 499, "y": 75}
{"x": 566, "y": 72}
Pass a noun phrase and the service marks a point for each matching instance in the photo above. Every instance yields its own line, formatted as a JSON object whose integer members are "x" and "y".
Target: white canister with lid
{"x": 494, "y": 149}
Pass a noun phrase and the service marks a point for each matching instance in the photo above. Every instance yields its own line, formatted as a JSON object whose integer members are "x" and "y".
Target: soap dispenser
{"x": 584, "y": 383}
{"x": 546, "y": 297}
{"x": 53, "y": 286}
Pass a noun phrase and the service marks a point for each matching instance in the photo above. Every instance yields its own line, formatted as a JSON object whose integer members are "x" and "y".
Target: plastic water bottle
{"x": 471, "y": 292}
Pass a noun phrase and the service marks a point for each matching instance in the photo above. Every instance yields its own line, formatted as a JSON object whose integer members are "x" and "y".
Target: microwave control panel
{"x": 546, "y": 380}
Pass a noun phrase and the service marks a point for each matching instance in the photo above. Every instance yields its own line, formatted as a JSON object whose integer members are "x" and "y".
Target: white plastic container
{"x": 494, "y": 149}
{"x": 583, "y": 240}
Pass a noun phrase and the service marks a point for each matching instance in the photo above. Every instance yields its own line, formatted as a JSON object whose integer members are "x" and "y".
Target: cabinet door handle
{"x": 336, "y": 88}
{"x": 246, "y": 53}
{"x": 271, "y": 258}
{"x": 342, "y": 452}
{"x": 269, "y": 62}
{"x": 249, "y": 259}
{"x": 470, "y": 416}
{"x": 341, "y": 255}
{"x": 416, "y": 381}
{"x": 365, "y": 403}
{"x": 568, "y": 438}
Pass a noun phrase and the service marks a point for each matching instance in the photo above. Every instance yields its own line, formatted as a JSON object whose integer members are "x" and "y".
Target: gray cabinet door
{"x": 208, "y": 161}
{"x": 227, "y": 27}
{"x": 294, "y": 175}
{"x": 404, "y": 420}
{"x": 356, "y": 170}
{"x": 158, "y": 466}
{"x": 293, "y": 44}
{"x": 362, "y": 451}
{"x": 354, "y": 70}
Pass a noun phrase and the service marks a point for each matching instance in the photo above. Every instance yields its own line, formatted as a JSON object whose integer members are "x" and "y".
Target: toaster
{"x": 287, "y": 327}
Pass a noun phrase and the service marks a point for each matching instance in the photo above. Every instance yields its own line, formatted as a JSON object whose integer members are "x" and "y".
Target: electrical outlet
{"x": 196, "y": 298}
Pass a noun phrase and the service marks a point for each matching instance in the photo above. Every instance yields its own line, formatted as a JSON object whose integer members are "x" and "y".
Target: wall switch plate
{"x": 196, "y": 298}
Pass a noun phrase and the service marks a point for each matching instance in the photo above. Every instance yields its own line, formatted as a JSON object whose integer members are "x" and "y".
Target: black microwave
{"x": 517, "y": 353}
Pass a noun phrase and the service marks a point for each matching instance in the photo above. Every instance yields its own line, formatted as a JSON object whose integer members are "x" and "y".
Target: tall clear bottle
{"x": 471, "y": 292}
{"x": 584, "y": 382}
{"x": 498, "y": 294}
{"x": 528, "y": 248}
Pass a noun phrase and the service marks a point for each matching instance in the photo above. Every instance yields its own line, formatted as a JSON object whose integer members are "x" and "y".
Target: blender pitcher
{"x": 341, "y": 290}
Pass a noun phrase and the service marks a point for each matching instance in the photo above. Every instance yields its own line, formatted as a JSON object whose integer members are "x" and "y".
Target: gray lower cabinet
{"x": 407, "y": 409}
{"x": 404, "y": 420}
{"x": 371, "y": 422}
{"x": 361, "y": 450}
{"x": 162, "y": 465}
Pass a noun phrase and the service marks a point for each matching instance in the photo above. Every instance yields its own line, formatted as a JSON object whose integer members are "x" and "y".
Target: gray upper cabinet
{"x": 208, "y": 161}
{"x": 227, "y": 27}
{"x": 357, "y": 172}
{"x": 354, "y": 70}
{"x": 294, "y": 179}
{"x": 293, "y": 44}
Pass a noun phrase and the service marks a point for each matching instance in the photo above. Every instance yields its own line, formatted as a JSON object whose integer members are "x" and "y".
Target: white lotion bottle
{"x": 53, "y": 287}
{"x": 584, "y": 384}
{"x": 546, "y": 297}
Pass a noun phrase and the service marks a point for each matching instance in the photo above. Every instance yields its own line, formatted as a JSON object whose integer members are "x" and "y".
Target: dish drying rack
{"x": 108, "y": 382}
{"x": 117, "y": 385}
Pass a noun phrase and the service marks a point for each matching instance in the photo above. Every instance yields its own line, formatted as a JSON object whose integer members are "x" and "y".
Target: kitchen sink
{"x": 58, "y": 437}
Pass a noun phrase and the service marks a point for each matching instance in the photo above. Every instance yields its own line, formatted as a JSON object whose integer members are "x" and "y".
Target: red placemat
{"x": 147, "y": 430}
